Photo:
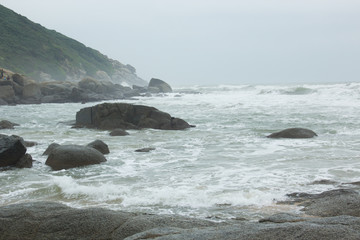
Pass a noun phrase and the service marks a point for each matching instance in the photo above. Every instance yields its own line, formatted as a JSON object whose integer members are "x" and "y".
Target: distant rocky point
{"x": 20, "y": 89}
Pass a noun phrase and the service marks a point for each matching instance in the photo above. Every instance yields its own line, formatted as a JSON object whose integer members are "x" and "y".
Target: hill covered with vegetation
{"x": 43, "y": 54}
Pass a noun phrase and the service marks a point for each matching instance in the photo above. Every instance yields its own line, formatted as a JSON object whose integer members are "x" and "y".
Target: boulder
{"x": 293, "y": 133}
{"x": 50, "y": 148}
{"x": 12, "y": 149}
{"x": 70, "y": 156}
{"x": 7, "y": 93}
{"x": 109, "y": 116}
{"x": 118, "y": 132}
{"x": 4, "y": 124}
{"x": 157, "y": 85}
{"x": 100, "y": 146}
{"x": 31, "y": 90}
{"x": 25, "y": 161}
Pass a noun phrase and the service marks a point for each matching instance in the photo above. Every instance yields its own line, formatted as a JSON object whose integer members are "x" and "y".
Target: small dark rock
{"x": 293, "y": 133}
{"x": 119, "y": 132}
{"x": 145, "y": 149}
{"x": 100, "y": 146}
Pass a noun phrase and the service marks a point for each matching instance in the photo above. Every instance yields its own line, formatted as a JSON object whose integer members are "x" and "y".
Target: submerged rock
{"x": 118, "y": 132}
{"x": 145, "y": 149}
{"x": 70, "y": 156}
{"x": 4, "y": 124}
{"x": 109, "y": 116}
{"x": 294, "y": 133}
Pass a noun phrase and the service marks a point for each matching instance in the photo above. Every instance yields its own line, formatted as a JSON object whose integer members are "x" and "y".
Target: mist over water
{"x": 223, "y": 168}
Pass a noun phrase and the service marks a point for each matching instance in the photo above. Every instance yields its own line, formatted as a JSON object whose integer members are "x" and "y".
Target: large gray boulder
{"x": 109, "y": 116}
{"x": 70, "y": 156}
{"x": 12, "y": 149}
{"x": 294, "y": 133}
{"x": 157, "y": 85}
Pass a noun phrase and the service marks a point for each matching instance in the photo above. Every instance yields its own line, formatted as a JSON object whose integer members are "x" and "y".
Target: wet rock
{"x": 323, "y": 182}
{"x": 25, "y": 161}
{"x": 118, "y": 132}
{"x": 70, "y": 156}
{"x": 100, "y": 146}
{"x": 50, "y": 148}
{"x": 109, "y": 116}
{"x": 329, "y": 203}
{"x": 4, "y": 124}
{"x": 293, "y": 133}
{"x": 47, "y": 220}
{"x": 12, "y": 149}
{"x": 145, "y": 149}
{"x": 158, "y": 86}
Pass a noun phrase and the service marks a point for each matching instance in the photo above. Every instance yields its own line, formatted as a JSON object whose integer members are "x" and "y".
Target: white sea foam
{"x": 224, "y": 167}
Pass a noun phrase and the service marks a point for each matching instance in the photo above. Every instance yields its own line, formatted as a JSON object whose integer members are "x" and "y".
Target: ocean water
{"x": 224, "y": 168}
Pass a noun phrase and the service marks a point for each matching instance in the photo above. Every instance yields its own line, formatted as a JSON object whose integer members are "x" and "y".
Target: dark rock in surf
{"x": 100, "y": 146}
{"x": 12, "y": 149}
{"x": 109, "y": 116}
{"x": 158, "y": 86}
{"x": 50, "y": 148}
{"x": 293, "y": 133}
{"x": 118, "y": 132}
{"x": 71, "y": 156}
{"x": 4, "y": 124}
{"x": 145, "y": 149}
{"x": 25, "y": 161}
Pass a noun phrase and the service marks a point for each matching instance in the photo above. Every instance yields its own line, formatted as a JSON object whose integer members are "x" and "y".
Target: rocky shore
{"x": 19, "y": 89}
{"x": 329, "y": 215}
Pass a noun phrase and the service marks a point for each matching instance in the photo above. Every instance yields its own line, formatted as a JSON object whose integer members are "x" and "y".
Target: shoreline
{"x": 333, "y": 214}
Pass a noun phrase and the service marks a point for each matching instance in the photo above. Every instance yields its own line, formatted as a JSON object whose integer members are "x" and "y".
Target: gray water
{"x": 222, "y": 169}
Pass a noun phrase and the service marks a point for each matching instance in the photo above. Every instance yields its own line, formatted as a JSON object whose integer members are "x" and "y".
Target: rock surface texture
{"x": 109, "y": 116}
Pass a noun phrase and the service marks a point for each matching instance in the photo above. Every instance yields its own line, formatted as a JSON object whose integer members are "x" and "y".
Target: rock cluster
{"x": 19, "y": 89}
{"x": 109, "y": 116}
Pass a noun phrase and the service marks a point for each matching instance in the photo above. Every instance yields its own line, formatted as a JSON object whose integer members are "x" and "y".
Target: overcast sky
{"x": 188, "y": 42}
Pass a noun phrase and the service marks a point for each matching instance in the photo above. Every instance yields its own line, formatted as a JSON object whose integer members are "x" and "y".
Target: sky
{"x": 211, "y": 42}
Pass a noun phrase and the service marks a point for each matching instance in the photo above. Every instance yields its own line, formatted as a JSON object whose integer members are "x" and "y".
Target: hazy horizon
{"x": 212, "y": 42}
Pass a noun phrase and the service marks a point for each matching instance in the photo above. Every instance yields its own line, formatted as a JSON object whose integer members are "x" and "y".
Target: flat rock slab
{"x": 48, "y": 220}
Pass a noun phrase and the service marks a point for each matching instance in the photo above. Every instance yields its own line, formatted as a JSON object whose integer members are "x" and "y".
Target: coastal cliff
{"x": 46, "y": 55}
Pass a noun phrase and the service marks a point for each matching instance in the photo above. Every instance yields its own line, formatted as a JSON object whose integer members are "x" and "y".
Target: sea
{"x": 224, "y": 168}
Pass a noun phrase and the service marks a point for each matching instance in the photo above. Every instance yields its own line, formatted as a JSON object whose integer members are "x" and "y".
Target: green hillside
{"x": 29, "y": 48}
